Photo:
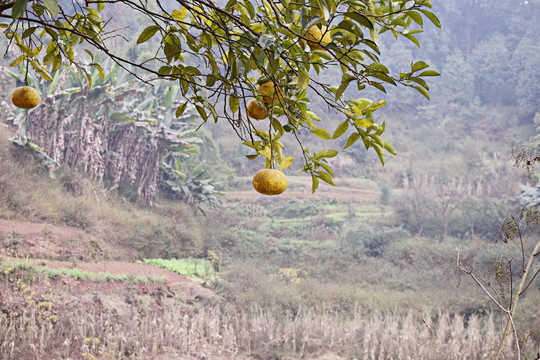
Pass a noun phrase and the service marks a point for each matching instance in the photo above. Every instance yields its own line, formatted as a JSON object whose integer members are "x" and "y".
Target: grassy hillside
{"x": 331, "y": 275}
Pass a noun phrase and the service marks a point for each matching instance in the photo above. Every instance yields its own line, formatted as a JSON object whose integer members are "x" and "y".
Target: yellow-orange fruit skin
{"x": 25, "y": 97}
{"x": 268, "y": 92}
{"x": 316, "y": 35}
{"x": 270, "y": 182}
{"x": 254, "y": 111}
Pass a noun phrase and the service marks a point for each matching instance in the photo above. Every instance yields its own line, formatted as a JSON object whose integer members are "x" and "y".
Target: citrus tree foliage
{"x": 119, "y": 131}
{"x": 219, "y": 54}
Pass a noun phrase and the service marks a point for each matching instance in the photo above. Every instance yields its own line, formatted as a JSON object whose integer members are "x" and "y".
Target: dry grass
{"x": 37, "y": 322}
{"x": 170, "y": 229}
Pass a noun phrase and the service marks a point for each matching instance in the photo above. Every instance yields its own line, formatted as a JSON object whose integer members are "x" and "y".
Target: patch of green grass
{"x": 200, "y": 268}
{"x": 7, "y": 267}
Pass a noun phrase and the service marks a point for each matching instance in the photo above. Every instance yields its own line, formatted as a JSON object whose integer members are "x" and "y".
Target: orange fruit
{"x": 25, "y": 97}
{"x": 317, "y": 36}
{"x": 268, "y": 92}
{"x": 255, "y": 111}
{"x": 270, "y": 182}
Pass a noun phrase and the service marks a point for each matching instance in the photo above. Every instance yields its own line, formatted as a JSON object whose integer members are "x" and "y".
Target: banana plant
{"x": 115, "y": 128}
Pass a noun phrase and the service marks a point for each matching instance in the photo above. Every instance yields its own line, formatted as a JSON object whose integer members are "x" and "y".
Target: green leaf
{"x": 18, "y": 60}
{"x": 266, "y": 152}
{"x": 201, "y": 112}
{"x": 352, "y": 139}
{"x": 325, "y": 177}
{"x": 99, "y": 69}
{"x": 327, "y": 154}
{"x": 303, "y": 80}
{"x": 379, "y": 151}
{"x": 341, "y": 129}
{"x": 364, "y": 123}
{"x": 327, "y": 168}
{"x": 147, "y": 33}
{"x": 422, "y": 91}
{"x": 181, "y": 110}
{"x": 412, "y": 38}
{"x": 360, "y": 19}
{"x": 323, "y": 54}
{"x": 429, "y": 73}
{"x": 322, "y": 133}
{"x": 179, "y": 14}
{"x": 57, "y": 62}
{"x": 52, "y": 7}
{"x": 389, "y": 148}
{"x": 416, "y": 17}
{"x": 234, "y": 103}
{"x": 431, "y": 16}
{"x": 383, "y": 77}
{"x": 28, "y": 32}
{"x": 420, "y": 65}
{"x": 18, "y": 9}
{"x": 314, "y": 183}
{"x": 286, "y": 162}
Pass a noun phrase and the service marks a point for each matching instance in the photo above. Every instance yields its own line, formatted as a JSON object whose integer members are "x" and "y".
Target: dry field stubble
{"x": 41, "y": 321}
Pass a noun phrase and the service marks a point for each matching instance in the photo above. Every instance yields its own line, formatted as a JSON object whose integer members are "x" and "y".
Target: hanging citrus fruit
{"x": 25, "y": 97}
{"x": 268, "y": 92}
{"x": 317, "y": 36}
{"x": 255, "y": 111}
{"x": 270, "y": 182}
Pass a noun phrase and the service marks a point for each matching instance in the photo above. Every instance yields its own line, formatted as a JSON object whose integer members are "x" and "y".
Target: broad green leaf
{"x": 57, "y": 62}
{"x": 325, "y": 177}
{"x": 18, "y": 60}
{"x": 165, "y": 70}
{"x": 383, "y": 77}
{"x": 52, "y": 7}
{"x": 19, "y": 7}
{"x": 28, "y": 32}
{"x": 389, "y": 148}
{"x": 376, "y": 105}
{"x": 277, "y": 125}
{"x": 422, "y": 91}
{"x": 327, "y": 168}
{"x": 352, "y": 139}
{"x": 322, "y": 133}
{"x": 431, "y": 16}
{"x": 416, "y": 17}
{"x": 364, "y": 123}
{"x": 314, "y": 183}
{"x": 413, "y": 39}
{"x": 303, "y": 79}
{"x": 360, "y": 19}
{"x": 266, "y": 152}
{"x": 252, "y": 157}
{"x": 286, "y": 162}
{"x": 147, "y": 33}
{"x": 323, "y": 54}
{"x": 429, "y": 73}
{"x": 379, "y": 151}
{"x": 179, "y": 14}
{"x": 341, "y": 129}
{"x": 420, "y": 65}
{"x": 327, "y": 154}
{"x": 234, "y": 103}
{"x": 202, "y": 112}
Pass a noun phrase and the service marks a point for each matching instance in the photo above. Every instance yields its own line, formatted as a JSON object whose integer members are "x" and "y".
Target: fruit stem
{"x": 270, "y": 137}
